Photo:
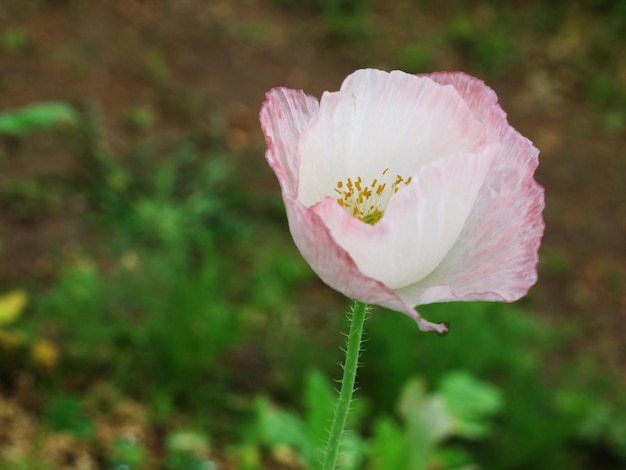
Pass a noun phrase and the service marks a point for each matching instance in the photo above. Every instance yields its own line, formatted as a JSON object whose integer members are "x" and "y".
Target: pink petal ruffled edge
{"x": 285, "y": 113}
{"x": 483, "y": 266}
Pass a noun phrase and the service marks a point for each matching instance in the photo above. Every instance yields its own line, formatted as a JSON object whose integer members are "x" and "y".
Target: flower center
{"x": 368, "y": 203}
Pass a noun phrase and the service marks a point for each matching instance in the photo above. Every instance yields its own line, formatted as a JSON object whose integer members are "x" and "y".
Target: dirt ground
{"x": 204, "y": 66}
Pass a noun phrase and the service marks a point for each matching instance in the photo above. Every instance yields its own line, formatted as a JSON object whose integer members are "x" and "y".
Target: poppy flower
{"x": 402, "y": 190}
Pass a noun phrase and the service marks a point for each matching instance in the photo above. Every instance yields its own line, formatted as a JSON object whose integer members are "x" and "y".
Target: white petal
{"x": 382, "y": 120}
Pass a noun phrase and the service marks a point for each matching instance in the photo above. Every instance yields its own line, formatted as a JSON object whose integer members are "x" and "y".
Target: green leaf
{"x": 351, "y": 452}
{"x": 427, "y": 421}
{"x": 48, "y": 115}
{"x": 320, "y": 399}
{"x": 426, "y": 416}
{"x": 471, "y": 403}
{"x": 388, "y": 447}
{"x": 278, "y": 427}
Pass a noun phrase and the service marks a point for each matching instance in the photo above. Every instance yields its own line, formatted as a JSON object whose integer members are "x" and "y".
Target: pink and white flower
{"x": 403, "y": 190}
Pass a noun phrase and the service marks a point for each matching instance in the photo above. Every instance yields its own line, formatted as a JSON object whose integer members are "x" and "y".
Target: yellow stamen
{"x": 368, "y": 203}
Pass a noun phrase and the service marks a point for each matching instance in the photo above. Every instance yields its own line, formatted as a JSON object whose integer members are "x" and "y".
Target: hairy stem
{"x": 357, "y": 319}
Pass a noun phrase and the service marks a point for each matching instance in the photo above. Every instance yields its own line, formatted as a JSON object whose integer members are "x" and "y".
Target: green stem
{"x": 357, "y": 319}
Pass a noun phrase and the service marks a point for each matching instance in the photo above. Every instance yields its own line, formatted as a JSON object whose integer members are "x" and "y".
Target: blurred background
{"x": 154, "y": 312}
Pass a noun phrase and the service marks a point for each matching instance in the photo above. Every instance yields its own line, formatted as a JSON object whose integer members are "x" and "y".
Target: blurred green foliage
{"x": 127, "y": 453}
{"x": 415, "y": 438}
{"x": 29, "y": 199}
{"x": 166, "y": 239}
{"x": 40, "y": 116}
{"x": 346, "y": 20}
{"x": 505, "y": 345}
{"x": 14, "y": 40}
{"x": 188, "y": 450}
{"x": 63, "y": 413}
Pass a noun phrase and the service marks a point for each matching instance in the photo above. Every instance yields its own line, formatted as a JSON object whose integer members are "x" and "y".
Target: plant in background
{"x": 29, "y": 199}
{"x": 343, "y": 19}
{"x": 39, "y": 116}
{"x": 15, "y": 125}
{"x": 299, "y": 440}
{"x": 127, "y": 453}
{"x": 489, "y": 46}
{"x": 404, "y": 190}
{"x": 164, "y": 246}
{"x": 349, "y": 19}
{"x": 64, "y": 413}
{"x": 15, "y": 40}
{"x": 188, "y": 450}
{"x": 12, "y": 305}
{"x": 42, "y": 352}
{"x": 461, "y": 408}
